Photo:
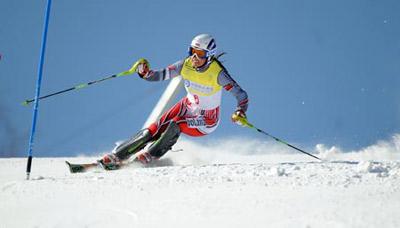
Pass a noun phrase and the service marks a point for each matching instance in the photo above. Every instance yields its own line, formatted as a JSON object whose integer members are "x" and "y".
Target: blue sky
{"x": 315, "y": 71}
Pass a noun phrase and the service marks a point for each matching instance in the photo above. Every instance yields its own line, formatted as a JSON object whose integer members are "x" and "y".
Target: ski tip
{"x": 75, "y": 168}
{"x": 69, "y": 167}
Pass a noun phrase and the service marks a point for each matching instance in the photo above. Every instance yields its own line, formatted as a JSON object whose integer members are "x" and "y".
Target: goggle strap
{"x": 211, "y": 53}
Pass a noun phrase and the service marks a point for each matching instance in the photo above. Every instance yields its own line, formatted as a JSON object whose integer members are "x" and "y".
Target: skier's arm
{"x": 230, "y": 85}
{"x": 169, "y": 72}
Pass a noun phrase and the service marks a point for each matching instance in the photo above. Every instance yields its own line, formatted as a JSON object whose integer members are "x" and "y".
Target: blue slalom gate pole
{"x": 38, "y": 83}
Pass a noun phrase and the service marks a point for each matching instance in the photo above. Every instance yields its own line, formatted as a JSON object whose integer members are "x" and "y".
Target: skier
{"x": 197, "y": 114}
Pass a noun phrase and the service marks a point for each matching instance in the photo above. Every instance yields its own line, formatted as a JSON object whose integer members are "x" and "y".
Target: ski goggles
{"x": 202, "y": 54}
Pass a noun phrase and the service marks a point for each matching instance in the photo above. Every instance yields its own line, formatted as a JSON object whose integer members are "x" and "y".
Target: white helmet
{"x": 205, "y": 42}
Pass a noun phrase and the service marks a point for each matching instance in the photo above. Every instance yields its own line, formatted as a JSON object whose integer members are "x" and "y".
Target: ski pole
{"x": 84, "y": 85}
{"x": 246, "y": 123}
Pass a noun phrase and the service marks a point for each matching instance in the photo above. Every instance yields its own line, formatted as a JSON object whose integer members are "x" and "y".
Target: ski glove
{"x": 142, "y": 67}
{"x": 239, "y": 117}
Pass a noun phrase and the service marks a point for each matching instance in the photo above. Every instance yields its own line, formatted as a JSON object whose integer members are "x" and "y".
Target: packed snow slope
{"x": 223, "y": 184}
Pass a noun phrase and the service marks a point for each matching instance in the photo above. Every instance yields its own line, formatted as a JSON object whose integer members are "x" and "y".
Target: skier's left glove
{"x": 142, "y": 67}
{"x": 239, "y": 117}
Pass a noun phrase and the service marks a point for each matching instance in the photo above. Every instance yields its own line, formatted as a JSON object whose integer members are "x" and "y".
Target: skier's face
{"x": 196, "y": 61}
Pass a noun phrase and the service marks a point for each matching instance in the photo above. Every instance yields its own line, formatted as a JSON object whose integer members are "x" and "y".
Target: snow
{"x": 220, "y": 184}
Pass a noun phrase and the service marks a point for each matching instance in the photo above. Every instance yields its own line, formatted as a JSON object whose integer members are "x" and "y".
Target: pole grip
{"x": 241, "y": 120}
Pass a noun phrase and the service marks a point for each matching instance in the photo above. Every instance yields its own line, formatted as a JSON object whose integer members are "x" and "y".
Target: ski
{"x": 84, "y": 167}
{"x": 81, "y": 168}
{"x": 99, "y": 164}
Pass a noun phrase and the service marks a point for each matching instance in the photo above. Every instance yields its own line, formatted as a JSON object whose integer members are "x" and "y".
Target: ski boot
{"x": 144, "y": 158}
{"x": 110, "y": 162}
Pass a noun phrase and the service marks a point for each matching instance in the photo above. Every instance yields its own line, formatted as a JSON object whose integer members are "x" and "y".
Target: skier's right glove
{"x": 142, "y": 67}
{"x": 239, "y": 117}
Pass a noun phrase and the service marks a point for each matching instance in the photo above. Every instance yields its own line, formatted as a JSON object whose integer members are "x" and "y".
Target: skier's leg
{"x": 162, "y": 145}
{"x": 133, "y": 145}
{"x": 172, "y": 123}
{"x": 168, "y": 138}
{"x": 126, "y": 149}
{"x": 174, "y": 113}
{"x": 166, "y": 141}
{"x": 152, "y": 133}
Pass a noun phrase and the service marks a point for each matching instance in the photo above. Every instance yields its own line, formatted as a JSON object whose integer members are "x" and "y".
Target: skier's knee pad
{"x": 133, "y": 145}
{"x": 166, "y": 140}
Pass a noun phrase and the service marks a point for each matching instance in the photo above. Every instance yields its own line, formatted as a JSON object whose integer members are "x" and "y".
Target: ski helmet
{"x": 204, "y": 42}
